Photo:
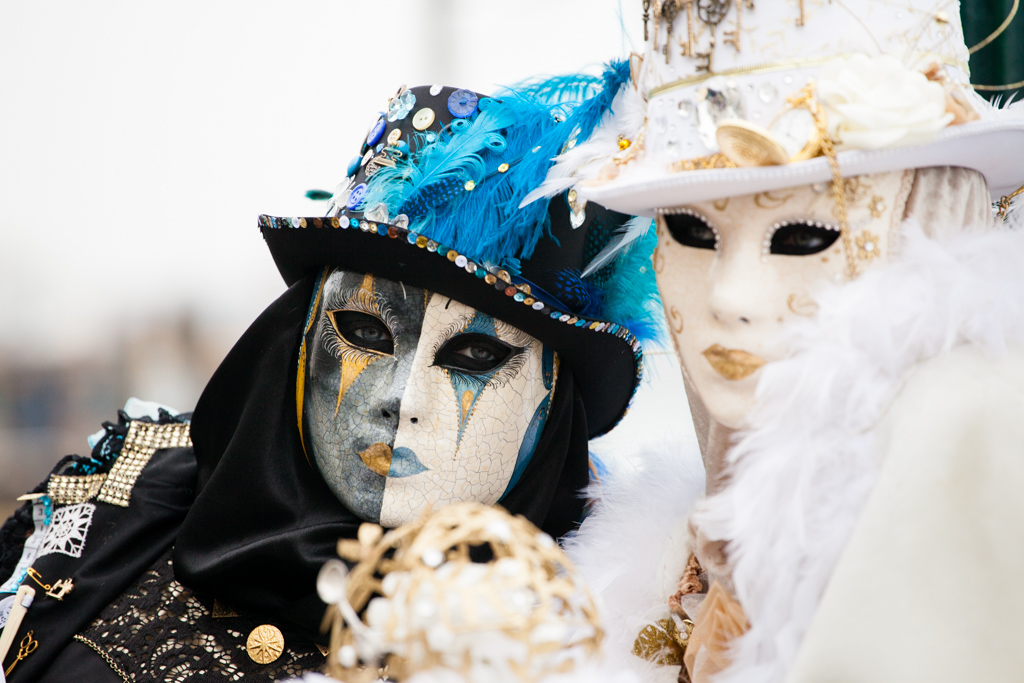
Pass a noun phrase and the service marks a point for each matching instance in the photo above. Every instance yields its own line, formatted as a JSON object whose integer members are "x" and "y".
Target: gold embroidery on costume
{"x": 66, "y": 489}
{"x": 877, "y": 206}
{"x": 142, "y": 441}
{"x": 867, "y": 246}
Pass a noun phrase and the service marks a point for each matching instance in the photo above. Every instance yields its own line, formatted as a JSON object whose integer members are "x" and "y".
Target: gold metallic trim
{"x": 66, "y": 489}
{"x": 999, "y": 31}
{"x": 782, "y": 65}
{"x": 766, "y": 67}
{"x": 1008, "y": 86}
{"x": 300, "y": 377}
{"x": 142, "y": 441}
{"x": 106, "y": 658}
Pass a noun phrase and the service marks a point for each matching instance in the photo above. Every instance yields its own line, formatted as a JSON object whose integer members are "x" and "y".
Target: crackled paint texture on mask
{"x": 395, "y": 433}
{"x": 738, "y": 297}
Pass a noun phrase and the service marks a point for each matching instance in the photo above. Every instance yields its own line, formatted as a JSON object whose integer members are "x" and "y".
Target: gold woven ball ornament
{"x": 468, "y": 588}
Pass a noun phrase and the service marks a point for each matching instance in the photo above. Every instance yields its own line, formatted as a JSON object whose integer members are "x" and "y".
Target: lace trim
{"x": 159, "y": 631}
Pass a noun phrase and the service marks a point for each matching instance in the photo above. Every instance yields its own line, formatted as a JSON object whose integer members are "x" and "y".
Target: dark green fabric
{"x": 1001, "y": 61}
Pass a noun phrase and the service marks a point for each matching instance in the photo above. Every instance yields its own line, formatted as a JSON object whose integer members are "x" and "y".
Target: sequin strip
{"x": 65, "y": 490}
{"x": 493, "y": 276}
{"x": 142, "y": 441}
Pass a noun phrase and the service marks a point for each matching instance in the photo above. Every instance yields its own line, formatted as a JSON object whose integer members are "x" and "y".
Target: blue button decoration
{"x": 353, "y": 222}
{"x": 382, "y": 229}
{"x": 376, "y": 132}
{"x": 462, "y": 103}
{"x": 379, "y": 148}
{"x": 353, "y": 166}
{"x": 356, "y": 197}
{"x": 480, "y": 273}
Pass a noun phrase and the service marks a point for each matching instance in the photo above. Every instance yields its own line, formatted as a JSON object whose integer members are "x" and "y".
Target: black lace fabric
{"x": 159, "y": 630}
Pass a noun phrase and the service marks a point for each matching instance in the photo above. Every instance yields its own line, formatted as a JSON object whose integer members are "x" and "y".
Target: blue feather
{"x": 631, "y": 293}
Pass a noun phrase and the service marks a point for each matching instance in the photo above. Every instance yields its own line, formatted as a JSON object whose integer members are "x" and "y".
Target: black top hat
{"x": 433, "y": 200}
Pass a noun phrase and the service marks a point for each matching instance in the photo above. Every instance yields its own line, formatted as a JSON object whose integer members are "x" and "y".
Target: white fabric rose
{"x": 876, "y": 102}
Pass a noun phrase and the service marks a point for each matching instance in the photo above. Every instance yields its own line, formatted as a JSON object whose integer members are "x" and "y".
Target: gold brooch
{"x": 265, "y": 644}
{"x": 662, "y": 643}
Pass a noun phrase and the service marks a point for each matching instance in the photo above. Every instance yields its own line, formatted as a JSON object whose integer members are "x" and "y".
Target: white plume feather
{"x": 585, "y": 160}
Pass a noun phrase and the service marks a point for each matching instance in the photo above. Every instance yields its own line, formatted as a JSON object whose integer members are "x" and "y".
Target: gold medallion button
{"x": 746, "y": 144}
{"x": 265, "y": 644}
{"x": 423, "y": 118}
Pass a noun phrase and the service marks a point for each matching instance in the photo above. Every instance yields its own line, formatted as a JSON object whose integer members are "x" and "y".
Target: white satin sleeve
{"x": 931, "y": 585}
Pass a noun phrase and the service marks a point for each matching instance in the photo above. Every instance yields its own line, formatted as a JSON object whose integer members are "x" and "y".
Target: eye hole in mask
{"x": 472, "y": 353}
{"x": 690, "y": 230}
{"x": 363, "y": 330}
{"x": 803, "y": 238}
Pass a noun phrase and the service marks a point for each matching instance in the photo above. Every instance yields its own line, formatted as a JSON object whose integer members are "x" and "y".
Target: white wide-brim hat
{"x": 891, "y": 80}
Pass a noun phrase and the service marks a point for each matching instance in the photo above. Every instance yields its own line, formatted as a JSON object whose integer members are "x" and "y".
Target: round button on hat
{"x": 463, "y": 103}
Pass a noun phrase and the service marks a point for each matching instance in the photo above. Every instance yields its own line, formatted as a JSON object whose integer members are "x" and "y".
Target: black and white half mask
{"x": 410, "y": 400}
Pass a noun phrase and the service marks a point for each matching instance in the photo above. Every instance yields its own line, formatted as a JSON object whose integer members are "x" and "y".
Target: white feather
{"x": 634, "y": 229}
{"x": 584, "y": 161}
{"x": 631, "y": 549}
{"x": 802, "y": 474}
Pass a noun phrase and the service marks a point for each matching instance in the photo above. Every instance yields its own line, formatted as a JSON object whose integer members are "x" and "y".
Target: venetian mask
{"x": 731, "y": 272}
{"x": 410, "y": 400}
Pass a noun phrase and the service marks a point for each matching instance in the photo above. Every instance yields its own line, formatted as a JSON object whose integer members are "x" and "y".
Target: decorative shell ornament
{"x": 469, "y": 590}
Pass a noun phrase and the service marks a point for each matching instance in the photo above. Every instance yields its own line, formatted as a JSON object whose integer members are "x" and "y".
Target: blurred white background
{"x": 140, "y": 140}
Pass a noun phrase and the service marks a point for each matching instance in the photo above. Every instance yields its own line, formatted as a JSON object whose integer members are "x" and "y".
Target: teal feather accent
{"x": 631, "y": 292}
{"x": 318, "y": 195}
{"x": 570, "y": 88}
{"x": 454, "y": 157}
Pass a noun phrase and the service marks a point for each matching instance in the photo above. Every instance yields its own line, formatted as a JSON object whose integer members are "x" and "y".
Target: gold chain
{"x": 107, "y": 658}
{"x": 1004, "y": 202}
{"x": 807, "y": 99}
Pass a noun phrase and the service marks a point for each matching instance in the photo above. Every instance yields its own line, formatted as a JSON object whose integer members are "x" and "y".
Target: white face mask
{"x": 413, "y": 401}
{"x": 731, "y": 272}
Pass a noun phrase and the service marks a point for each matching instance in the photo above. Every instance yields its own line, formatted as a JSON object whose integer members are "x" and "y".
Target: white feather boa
{"x": 801, "y": 475}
